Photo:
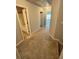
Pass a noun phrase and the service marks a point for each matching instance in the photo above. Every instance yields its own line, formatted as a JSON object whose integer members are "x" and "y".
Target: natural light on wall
{"x": 48, "y": 16}
{"x": 47, "y": 8}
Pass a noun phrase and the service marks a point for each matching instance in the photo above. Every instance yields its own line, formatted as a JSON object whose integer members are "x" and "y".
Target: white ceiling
{"x": 40, "y": 2}
{"x": 49, "y": 1}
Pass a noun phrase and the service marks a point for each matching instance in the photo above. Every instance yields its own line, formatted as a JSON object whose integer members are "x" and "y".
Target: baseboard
{"x": 36, "y": 30}
{"x": 55, "y": 39}
{"x": 52, "y": 36}
{"x": 59, "y": 41}
{"x": 19, "y": 42}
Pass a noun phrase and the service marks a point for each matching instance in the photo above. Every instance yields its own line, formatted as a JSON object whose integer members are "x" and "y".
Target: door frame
{"x": 27, "y": 13}
{"x": 26, "y": 9}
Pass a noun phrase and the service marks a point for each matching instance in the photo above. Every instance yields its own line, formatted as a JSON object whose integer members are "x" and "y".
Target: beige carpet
{"x": 39, "y": 46}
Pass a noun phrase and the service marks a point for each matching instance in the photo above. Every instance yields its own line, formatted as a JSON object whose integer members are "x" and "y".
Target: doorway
{"x": 48, "y": 20}
{"x": 42, "y": 19}
{"x": 23, "y": 21}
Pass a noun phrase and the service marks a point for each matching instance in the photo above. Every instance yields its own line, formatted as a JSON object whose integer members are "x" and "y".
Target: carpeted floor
{"x": 39, "y": 46}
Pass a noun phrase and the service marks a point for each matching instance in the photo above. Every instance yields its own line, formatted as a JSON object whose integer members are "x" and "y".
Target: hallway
{"x": 48, "y": 20}
{"x": 39, "y": 46}
{"x": 33, "y": 25}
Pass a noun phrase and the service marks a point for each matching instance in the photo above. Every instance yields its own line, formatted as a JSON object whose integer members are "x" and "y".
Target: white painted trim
{"x": 59, "y": 41}
{"x": 19, "y": 42}
{"x": 25, "y": 10}
{"x": 55, "y": 39}
{"x": 28, "y": 20}
{"x": 36, "y": 30}
{"x": 52, "y": 36}
{"x": 20, "y": 6}
{"x": 25, "y": 19}
{"x": 19, "y": 23}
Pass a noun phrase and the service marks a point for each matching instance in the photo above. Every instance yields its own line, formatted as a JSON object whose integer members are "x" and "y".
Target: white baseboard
{"x": 51, "y": 36}
{"x": 19, "y": 42}
{"x": 36, "y": 30}
{"x": 28, "y": 36}
{"x": 55, "y": 39}
{"x": 59, "y": 41}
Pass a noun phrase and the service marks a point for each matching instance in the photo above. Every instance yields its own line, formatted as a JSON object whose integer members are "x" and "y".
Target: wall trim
{"x": 19, "y": 5}
{"x": 36, "y": 30}
{"x": 55, "y": 39}
{"x": 52, "y": 36}
{"x": 19, "y": 42}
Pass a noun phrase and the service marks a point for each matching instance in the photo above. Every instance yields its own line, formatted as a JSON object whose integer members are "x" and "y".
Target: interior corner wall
{"x": 54, "y": 17}
{"x": 57, "y": 19}
{"x": 34, "y": 14}
{"x": 59, "y": 25}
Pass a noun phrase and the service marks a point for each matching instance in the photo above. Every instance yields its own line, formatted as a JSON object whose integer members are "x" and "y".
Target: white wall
{"x": 59, "y": 25}
{"x": 57, "y": 17}
{"x": 34, "y": 14}
{"x": 18, "y": 32}
{"x": 55, "y": 11}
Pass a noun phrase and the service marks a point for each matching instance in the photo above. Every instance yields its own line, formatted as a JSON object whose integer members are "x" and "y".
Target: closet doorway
{"x": 23, "y": 20}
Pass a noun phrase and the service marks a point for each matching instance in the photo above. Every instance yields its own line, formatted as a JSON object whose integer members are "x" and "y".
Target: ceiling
{"x": 41, "y": 3}
{"x": 49, "y": 1}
